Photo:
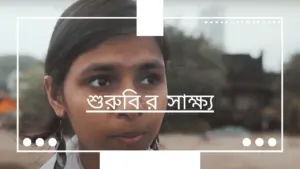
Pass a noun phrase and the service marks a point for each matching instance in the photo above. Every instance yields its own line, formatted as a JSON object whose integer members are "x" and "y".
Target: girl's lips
{"x": 131, "y": 140}
{"x": 130, "y": 137}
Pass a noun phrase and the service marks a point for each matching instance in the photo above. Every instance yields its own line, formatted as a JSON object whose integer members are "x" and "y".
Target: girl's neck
{"x": 90, "y": 160}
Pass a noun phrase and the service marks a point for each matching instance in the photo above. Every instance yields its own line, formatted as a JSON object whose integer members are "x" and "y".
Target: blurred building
{"x": 249, "y": 89}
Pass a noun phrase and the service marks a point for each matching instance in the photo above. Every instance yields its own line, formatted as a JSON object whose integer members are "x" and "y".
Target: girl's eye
{"x": 100, "y": 82}
{"x": 151, "y": 79}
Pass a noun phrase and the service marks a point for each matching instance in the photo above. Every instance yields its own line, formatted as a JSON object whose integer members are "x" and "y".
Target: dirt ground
{"x": 289, "y": 159}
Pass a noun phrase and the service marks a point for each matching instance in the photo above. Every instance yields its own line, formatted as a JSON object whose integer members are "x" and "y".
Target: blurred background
{"x": 239, "y": 63}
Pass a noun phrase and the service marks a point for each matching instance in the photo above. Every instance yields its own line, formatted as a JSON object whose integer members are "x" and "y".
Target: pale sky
{"x": 239, "y": 38}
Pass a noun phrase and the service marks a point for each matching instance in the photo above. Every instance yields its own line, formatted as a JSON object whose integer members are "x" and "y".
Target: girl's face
{"x": 125, "y": 63}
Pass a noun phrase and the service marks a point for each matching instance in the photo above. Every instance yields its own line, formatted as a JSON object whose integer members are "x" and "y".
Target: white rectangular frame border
{"x": 165, "y": 18}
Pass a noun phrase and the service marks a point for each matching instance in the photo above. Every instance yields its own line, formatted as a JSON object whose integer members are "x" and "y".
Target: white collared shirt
{"x": 73, "y": 161}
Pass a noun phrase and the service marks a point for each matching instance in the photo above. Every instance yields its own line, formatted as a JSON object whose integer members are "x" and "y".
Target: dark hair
{"x": 72, "y": 37}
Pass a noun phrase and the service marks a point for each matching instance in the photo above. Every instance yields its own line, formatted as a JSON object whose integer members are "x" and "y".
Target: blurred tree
{"x": 8, "y": 68}
{"x": 9, "y": 63}
{"x": 36, "y": 113}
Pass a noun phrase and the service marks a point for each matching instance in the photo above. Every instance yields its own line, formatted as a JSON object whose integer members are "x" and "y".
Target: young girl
{"x": 102, "y": 57}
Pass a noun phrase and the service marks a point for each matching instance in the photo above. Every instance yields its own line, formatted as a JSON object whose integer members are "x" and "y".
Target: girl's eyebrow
{"x": 98, "y": 67}
{"x": 150, "y": 65}
{"x": 95, "y": 67}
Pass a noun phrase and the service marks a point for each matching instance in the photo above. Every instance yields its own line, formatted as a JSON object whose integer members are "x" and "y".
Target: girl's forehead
{"x": 127, "y": 52}
{"x": 132, "y": 48}
{"x": 124, "y": 43}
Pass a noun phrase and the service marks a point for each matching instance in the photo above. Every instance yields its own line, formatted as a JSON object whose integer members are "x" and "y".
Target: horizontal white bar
{"x": 167, "y": 17}
{"x": 152, "y": 159}
{"x": 150, "y": 111}
{"x": 200, "y": 151}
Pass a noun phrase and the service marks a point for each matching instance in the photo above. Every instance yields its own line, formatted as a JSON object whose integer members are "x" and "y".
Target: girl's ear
{"x": 55, "y": 101}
